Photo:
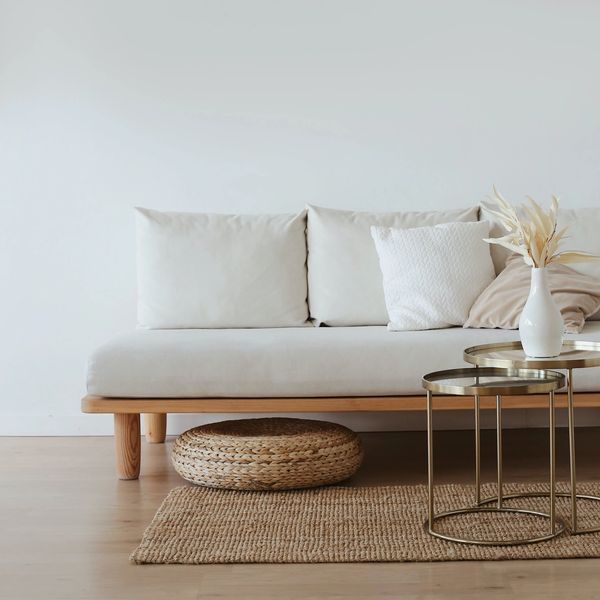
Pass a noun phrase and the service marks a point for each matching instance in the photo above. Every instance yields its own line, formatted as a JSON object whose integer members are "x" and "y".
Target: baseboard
{"x": 82, "y": 425}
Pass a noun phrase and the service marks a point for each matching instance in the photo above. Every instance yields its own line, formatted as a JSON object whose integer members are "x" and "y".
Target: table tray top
{"x": 575, "y": 354}
{"x": 491, "y": 381}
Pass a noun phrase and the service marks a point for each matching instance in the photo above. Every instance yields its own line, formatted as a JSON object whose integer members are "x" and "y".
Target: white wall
{"x": 256, "y": 106}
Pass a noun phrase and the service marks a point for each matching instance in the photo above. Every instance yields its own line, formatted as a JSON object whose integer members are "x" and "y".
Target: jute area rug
{"x": 197, "y": 525}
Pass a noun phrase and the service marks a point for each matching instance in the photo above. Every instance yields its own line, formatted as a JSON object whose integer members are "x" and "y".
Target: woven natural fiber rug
{"x": 197, "y": 525}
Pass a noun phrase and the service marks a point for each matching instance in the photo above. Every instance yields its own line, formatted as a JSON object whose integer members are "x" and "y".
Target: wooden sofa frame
{"x": 127, "y": 413}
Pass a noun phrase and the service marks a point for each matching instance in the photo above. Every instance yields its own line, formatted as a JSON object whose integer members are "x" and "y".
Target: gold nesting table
{"x": 575, "y": 354}
{"x": 498, "y": 382}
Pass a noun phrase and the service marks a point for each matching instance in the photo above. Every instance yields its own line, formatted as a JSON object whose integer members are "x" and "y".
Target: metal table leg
{"x": 499, "y": 448}
{"x": 477, "y": 451}
{"x": 430, "y": 459}
{"x": 552, "y": 444}
{"x": 572, "y": 464}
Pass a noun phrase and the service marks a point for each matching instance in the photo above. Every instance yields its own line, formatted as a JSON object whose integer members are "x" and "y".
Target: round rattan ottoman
{"x": 267, "y": 454}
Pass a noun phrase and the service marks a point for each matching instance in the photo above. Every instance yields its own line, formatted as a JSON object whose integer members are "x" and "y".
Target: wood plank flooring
{"x": 67, "y": 526}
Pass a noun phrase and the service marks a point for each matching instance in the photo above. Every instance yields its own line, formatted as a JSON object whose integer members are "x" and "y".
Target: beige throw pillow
{"x": 501, "y": 303}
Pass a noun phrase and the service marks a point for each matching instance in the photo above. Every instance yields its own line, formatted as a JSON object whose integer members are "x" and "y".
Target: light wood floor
{"x": 67, "y": 527}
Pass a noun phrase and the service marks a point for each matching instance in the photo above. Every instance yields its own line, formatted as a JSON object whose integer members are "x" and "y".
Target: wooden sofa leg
{"x": 156, "y": 427}
{"x": 127, "y": 445}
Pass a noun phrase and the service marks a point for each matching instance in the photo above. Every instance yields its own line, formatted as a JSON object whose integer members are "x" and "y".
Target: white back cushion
{"x": 433, "y": 275}
{"x": 209, "y": 270}
{"x": 583, "y": 235}
{"x": 344, "y": 278}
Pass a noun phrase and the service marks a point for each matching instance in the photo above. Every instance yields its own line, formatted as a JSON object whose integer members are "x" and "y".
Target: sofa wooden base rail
{"x": 127, "y": 412}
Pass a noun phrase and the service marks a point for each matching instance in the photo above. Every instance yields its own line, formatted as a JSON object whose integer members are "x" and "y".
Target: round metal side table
{"x": 575, "y": 354}
{"x": 490, "y": 381}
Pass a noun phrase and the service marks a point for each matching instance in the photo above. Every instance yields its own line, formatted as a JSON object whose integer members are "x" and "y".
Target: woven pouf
{"x": 267, "y": 454}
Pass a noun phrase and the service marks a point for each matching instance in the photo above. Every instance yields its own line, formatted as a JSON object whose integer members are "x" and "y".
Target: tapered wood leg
{"x": 127, "y": 445}
{"x": 155, "y": 425}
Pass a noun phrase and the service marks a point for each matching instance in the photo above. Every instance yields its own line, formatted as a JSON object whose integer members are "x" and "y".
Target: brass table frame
{"x": 575, "y": 354}
{"x": 530, "y": 381}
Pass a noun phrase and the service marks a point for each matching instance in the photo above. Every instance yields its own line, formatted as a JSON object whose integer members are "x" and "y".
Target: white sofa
{"x": 355, "y": 363}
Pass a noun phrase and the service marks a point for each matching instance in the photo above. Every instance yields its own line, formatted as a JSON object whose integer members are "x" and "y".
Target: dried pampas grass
{"x": 537, "y": 238}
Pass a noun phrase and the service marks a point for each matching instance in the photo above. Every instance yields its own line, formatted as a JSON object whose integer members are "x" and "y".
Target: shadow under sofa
{"x": 296, "y": 369}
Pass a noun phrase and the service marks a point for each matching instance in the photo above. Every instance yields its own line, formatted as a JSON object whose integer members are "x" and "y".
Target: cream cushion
{"x": 288, "y": 362}
{"x": 432, "y": 275}
{"x": 344, "y": 278}
{"x": 501, "y": 303}
{"x": 206, "y": 270}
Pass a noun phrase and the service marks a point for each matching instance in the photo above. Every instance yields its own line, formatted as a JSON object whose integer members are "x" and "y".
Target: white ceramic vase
{"x": 541, "y": 325}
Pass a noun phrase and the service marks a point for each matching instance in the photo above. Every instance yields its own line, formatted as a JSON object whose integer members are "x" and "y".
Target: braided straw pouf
{"x": 267, "y": 454}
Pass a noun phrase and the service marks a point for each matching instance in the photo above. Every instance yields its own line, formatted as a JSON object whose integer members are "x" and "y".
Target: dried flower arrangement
{"x": 536, "y": 238}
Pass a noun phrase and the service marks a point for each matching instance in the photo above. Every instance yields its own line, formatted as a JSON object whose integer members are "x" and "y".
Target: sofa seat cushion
{"x": 288, "y": 362}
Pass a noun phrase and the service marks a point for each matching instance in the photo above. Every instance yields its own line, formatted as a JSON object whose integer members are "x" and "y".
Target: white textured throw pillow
{"x": 344, "y": 278}
{"x": 209, "y": 270}
{"x": 433, "y": 275}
